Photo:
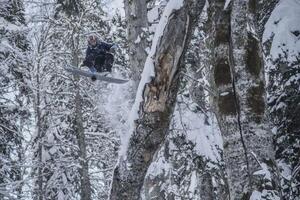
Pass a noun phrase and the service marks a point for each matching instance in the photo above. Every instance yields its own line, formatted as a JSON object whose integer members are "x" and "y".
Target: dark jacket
{"x": 96, "y": 54}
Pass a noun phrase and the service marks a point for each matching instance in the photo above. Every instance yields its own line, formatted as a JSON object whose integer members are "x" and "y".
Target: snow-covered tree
{"x": 13, "y": 88}
{"x": 282, "y": 57}
{"x": 69, "y": 143}
{"x": 158, "y": 89}
{"x": 51, "y": 155}
{"x": 188, "y": 165}
{"x": 199, "y": 127}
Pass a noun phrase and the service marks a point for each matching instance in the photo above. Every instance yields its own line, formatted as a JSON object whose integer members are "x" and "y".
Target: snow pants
{"x": 104, "y": 62}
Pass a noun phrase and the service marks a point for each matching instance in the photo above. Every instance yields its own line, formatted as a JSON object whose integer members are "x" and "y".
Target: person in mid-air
{"x": 98, "y": 57}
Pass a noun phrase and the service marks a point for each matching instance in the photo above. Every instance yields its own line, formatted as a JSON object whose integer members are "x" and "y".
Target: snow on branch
{"x": 284, "y": 28}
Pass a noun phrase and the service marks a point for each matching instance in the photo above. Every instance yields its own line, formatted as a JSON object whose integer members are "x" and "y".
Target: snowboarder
{"x": 98, "y": 57}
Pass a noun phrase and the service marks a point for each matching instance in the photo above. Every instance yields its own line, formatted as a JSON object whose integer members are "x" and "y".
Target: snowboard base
{"x": 96, "y": 76}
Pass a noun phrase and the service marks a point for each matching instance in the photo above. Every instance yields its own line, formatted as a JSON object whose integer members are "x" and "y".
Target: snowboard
{"x": 96, "y": 76}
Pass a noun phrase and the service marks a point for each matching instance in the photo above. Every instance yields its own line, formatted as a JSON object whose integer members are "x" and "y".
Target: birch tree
{"x": 158, "y": 94}
{"x": 238, "y": 76}
{"x": 13, "y": 89}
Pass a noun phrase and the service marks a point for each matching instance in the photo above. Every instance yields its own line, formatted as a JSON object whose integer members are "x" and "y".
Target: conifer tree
{"x": 13, "y": 88}
{"x": 282, "y": 59}
{"x": 69, "y": 125}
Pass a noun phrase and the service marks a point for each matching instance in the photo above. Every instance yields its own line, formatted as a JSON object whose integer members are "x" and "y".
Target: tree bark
{"x": 159, "y": 96}
{"x": 137, "y": 27}
{"x": 85, "y": 184}
{"x": 240, "y": 103}
{"x": 221, "y": 80}
{"x": 39, "y": 136}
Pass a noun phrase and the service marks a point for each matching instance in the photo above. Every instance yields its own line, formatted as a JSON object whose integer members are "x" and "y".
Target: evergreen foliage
{"x": 13, "y": 100}
{"x": 198, "y": 128}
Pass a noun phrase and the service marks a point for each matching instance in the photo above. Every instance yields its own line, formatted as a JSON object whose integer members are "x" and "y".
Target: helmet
{"x": 92, "y": 40}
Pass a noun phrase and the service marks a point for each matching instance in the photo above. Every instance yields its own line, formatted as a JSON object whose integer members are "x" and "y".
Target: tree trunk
{"x": 39, "y": 138}
{"x": 281, "y": 50}
{"x": 223, "y": 102}
{"x": 159, "y": 96}
{"x": 85, "y": 185}
{"x": 137, "y": 27}
{"x": 240, "y": 103}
